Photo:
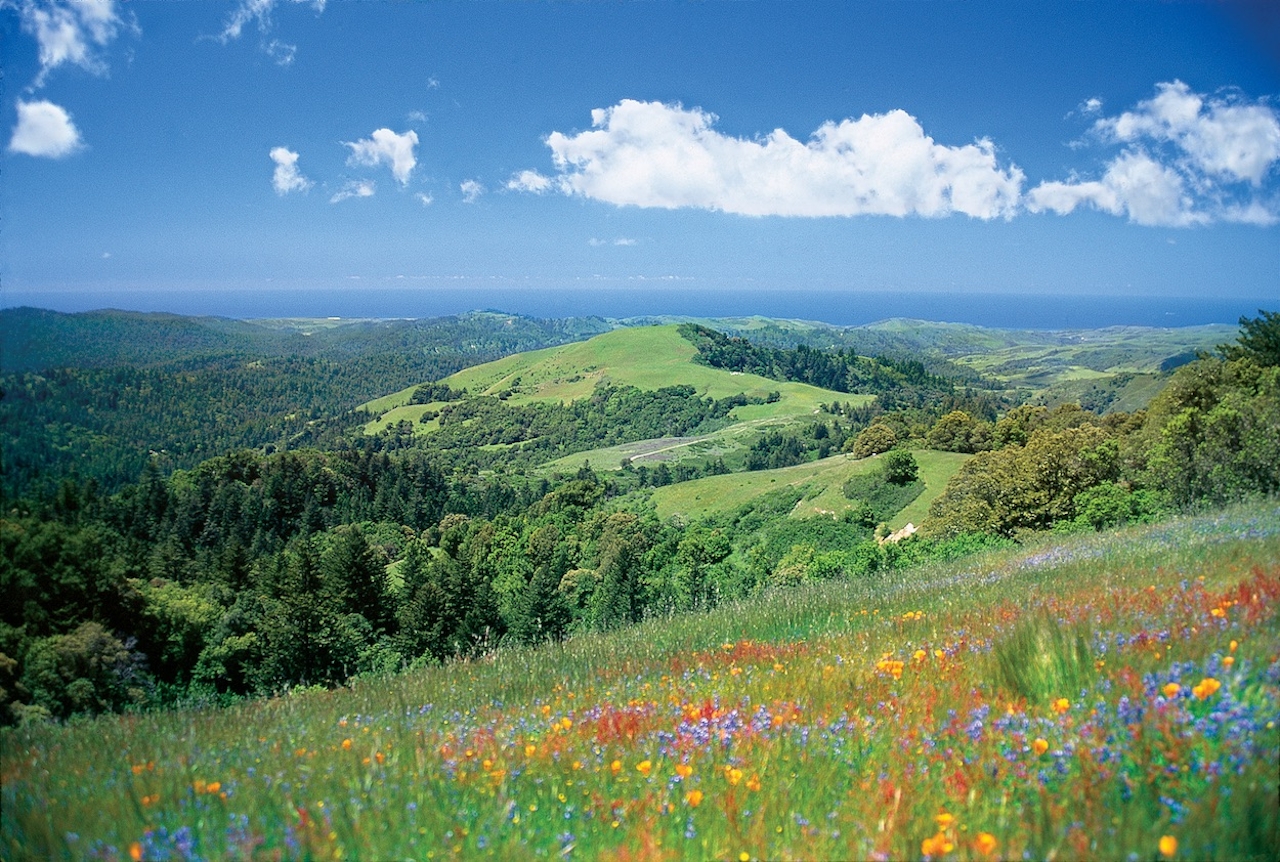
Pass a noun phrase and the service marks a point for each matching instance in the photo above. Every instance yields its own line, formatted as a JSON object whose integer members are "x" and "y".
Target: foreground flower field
{"x": 1110, "y": 696}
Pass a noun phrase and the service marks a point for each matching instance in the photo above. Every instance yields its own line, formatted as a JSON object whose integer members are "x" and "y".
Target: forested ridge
{"x": 255, "y": 570}
{"x": 98, "y": 396}
{"x": 895, "y": 382}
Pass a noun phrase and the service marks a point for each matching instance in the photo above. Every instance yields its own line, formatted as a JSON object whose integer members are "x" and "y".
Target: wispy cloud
{"x": 386, "y": 147}
{"x": 287, "y": 177}
{"x": 650, "y": 154}
{"x": 282, "y": 52}
{"x": 1186, "y": 159}
{"x": 71, "y": 31}
{"x": 354, "y": 189}
{"x": 260, "y": 12}
{"x": 530, "y": 181}
{"x": 471, "y": 191}
{"x": 44, "y": 129}
{"x": 425, "y": 199}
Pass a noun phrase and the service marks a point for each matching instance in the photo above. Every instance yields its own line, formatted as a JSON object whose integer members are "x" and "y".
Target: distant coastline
{"x": 841, "y": 307}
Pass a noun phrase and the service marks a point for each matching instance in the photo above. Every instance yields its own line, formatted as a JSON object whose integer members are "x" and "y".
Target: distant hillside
{"x": 553, "y": 403}
{"x": 98, "y": 396}
{"x": 133, "y": 388}
{"x": 644, "y": 357}
{"x": 34, "y": 339}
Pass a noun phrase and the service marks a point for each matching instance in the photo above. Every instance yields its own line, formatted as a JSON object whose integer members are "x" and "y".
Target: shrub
{"x": 873, "y": 440}
{"x": 88, "y": 670}
{"x": 900, "y": 468}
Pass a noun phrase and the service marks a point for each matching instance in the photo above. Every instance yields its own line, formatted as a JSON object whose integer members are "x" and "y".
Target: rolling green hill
{"x": 820, "y": 482}
{"x": 647, "y": 358}
{"x": 98, "y": 396}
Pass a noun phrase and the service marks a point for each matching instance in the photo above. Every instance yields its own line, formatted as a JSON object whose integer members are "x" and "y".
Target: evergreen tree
{"x": 355, "y": 580}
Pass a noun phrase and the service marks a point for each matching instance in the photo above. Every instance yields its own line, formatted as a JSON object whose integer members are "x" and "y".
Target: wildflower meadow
{"x": 1110, "y": 696}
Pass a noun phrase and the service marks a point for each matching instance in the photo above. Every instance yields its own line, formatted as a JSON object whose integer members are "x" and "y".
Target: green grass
{"x": 821, "y": 482}
{"x": 648, "y": 357}
{"x": 1059, "y": 367}
{"x": 842, "y": 720}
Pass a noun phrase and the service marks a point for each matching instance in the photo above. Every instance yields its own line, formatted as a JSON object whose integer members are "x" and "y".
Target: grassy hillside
{"x": 649, "y": 357}
{"x": 820, "y": 481}
{"x": 1106, "y": 696}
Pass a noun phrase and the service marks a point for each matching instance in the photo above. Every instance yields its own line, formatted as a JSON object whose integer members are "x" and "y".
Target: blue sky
{"x": 1105, "y": 149}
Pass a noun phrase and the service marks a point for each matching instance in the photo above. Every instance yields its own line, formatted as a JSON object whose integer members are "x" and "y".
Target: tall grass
{"x": 1041, "y": 659}
{"x": 906, "y": 716}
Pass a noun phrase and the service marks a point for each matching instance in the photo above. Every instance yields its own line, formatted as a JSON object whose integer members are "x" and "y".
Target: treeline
{"x": 487, "y": 432}
{"x": 106, "y": 425}
{"x": 253, "y": 573}
{"x": 37, "y": 340}
{"x": 895, "y": 382}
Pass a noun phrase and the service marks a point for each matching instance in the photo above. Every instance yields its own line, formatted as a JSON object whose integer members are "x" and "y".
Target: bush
{"x": 873, "y": 440}
{"x": 900, "y": 468}
{"x": 959, "y": 432}
{"x": 88, "y": 670}
{"x": 1111, "y": 505}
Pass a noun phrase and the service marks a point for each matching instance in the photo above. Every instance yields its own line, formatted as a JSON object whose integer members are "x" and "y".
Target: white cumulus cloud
{"x": 44, "y": 129}
{"x": 1187, "y": 159}
{"x": 1134, "y": 184}
{"x": 71, "y": 31}
{"x": 471, "y": 191}
{"x": 287, "y": 178}
{"x": 651, "y": 154}
{"x": 386, "y": 147}
{"x": 1236, "y": 141}
{"x": 354, "y": 189}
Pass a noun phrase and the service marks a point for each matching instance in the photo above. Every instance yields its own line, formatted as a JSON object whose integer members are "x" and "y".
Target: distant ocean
{"x": 1014, "y": 311}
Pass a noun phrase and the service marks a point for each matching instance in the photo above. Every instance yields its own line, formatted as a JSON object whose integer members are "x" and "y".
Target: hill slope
{"x": 1033, "y": 704}
{"x": 647, "y": 358}
{"x": 820, "y": 483}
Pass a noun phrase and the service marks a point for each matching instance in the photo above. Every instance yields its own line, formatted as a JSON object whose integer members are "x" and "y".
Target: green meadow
{"x": 821, "y": 483}
{"x": 1111, "y": 695}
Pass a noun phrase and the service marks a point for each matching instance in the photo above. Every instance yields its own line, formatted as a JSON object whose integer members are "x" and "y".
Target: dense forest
{"x": 307, "y": 562}
{"x": 98, "y": 396}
